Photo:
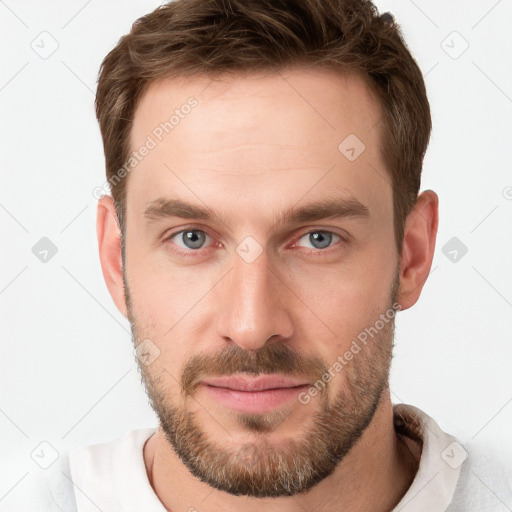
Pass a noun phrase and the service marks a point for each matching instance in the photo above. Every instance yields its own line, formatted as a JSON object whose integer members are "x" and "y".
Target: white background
{"x": 68, "y": 375}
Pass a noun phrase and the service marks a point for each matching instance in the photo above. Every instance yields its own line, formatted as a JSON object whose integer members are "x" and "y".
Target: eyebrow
{"x": 347, "y": 207}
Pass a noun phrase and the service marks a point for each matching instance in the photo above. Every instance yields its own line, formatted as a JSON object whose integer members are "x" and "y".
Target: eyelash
{"x": 313, "y": 252}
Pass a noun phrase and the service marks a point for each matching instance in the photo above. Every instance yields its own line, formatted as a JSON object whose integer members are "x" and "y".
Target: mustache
{"x": 271, "y": 359}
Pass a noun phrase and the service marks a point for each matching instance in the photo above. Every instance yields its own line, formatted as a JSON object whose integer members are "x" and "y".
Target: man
{"x": 265, "y": 227}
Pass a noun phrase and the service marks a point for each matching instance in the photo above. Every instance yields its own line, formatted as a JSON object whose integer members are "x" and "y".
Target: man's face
{"x": 248, "y": 291}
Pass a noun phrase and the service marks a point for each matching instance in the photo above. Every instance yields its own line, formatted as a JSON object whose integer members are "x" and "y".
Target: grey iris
{"x": 193, "y": 239}
{"x": 320, "y": 239}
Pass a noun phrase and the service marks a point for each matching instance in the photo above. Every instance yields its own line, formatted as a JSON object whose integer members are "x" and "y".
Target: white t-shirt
{"x": 111, "y": 477}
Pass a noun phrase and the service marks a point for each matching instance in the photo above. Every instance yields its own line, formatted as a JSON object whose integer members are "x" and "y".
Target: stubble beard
{"x": 260, "y": 468}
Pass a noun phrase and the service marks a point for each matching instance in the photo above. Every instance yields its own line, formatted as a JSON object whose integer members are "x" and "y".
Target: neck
{"x": 374, "y": 475}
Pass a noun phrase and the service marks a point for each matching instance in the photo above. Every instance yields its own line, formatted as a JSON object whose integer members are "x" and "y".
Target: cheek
{"x": 348, "y": 296}
{"x": 158, "y": 311}
{"x": 163, "y": 295}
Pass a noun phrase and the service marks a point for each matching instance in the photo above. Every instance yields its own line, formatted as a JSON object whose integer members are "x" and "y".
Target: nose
{"x": 254, "y": 304}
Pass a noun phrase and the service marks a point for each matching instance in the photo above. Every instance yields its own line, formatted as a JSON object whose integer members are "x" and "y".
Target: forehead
{"x": 328, "y": 101}
{"x": 258, "y": 136}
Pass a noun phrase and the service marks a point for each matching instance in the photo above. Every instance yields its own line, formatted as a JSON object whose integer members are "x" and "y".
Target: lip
{"x": 254, "y": 395}
{"x": 261, "y": 383}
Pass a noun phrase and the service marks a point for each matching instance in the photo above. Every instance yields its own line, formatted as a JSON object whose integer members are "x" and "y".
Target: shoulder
{"x": 112, "y": 475}
{"x": 65, "y": 484}
{"x": 60, "y": 486}
{"x": 485, "y": 482}
{"x": 103, "y": 457}
{"x": 455, "y": 474}
{"x": 44, "y": 490}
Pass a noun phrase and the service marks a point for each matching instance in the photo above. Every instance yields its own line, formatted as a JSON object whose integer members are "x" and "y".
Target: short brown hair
{"x": 210, "y": 37}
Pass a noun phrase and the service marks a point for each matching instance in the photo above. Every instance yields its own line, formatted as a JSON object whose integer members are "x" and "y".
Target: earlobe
{"x": 109, "y": 244}
{"x": 418, "y": 247}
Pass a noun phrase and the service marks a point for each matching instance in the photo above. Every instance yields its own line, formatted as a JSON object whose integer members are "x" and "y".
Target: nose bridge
{"x": 254, "y": 310}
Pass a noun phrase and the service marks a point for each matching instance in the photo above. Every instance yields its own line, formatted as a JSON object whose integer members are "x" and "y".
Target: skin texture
{"x": 252, "y": 147}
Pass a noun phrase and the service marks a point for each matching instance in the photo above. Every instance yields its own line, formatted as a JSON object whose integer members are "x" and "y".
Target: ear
{"x": 109, "y": 243}
{"x": 418, "y": 247}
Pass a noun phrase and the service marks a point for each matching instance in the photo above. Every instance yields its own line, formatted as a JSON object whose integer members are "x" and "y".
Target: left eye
{"x": 320, "y": 239}
{"x": 190, "y": 238}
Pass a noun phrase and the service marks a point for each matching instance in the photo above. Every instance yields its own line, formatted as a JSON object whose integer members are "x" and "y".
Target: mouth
{"x": 257, "y": 395}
